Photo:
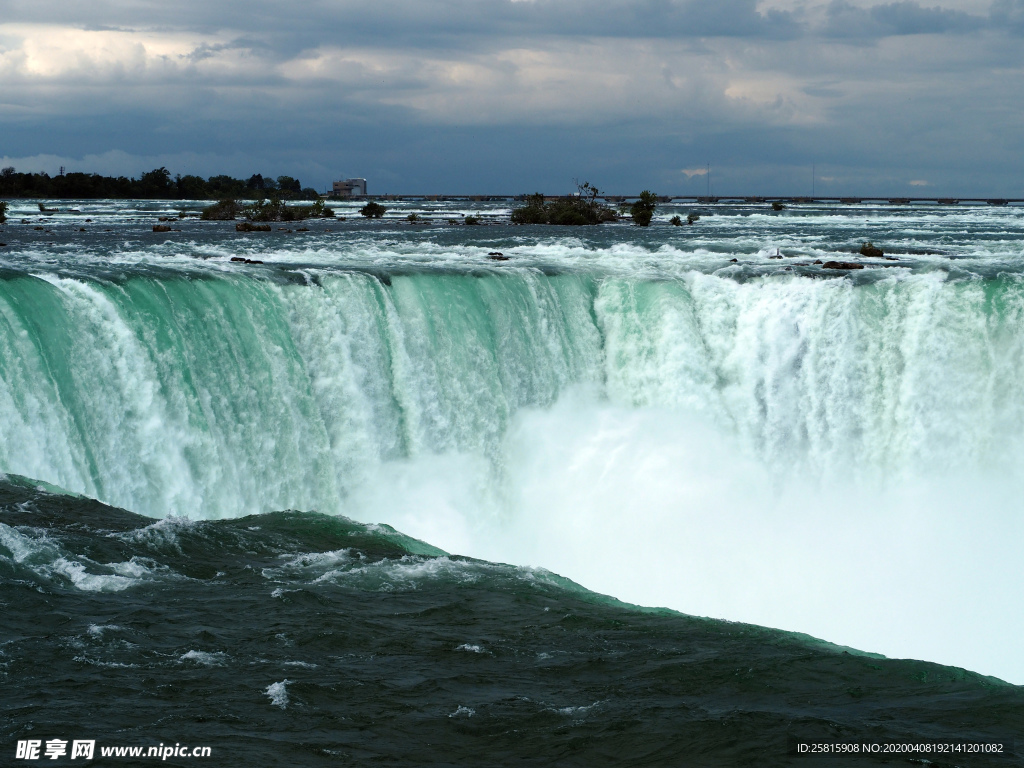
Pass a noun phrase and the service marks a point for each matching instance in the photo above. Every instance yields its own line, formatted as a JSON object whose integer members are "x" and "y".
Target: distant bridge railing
{"x": 728, "y": 199}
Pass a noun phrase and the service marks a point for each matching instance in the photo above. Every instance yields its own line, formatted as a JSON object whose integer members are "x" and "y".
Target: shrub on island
{"x": 577, "y": 210}
{"x": 373, "y": 210}
{"x": 642, "y": 210}
{"x": 266, "y": 210}
{"x": 223, "y": 210}
{"x": 275, "y": 210}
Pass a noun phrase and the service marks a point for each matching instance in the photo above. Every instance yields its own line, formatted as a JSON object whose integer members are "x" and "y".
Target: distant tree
{"x": 191, "y": 187}
{"x": 225, "y": 186}
{"x": 289, "y": 186}
{"x": 3, "y": 211}
{"x": 373, "y": 210}
{"x": 156, "y": 184}
{"x": 255, "y": 181}
{"x": 642, "y": 210}
{"x": 8, "y": 181}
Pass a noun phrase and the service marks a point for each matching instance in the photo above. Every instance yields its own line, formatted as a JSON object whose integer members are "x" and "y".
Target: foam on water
{"x": 47, "y": 560}
{"x": 278, "y": 693}
{"x": 205, "y": 658}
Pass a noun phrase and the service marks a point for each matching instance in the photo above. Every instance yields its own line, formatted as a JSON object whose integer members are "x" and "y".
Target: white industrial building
{"x": 349, "y": 188}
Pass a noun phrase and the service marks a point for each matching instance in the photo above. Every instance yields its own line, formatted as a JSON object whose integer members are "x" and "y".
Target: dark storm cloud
{"x": 901, "y": 18}
{"x": 428, "y": 22}
{"x": 1008, "y": 15}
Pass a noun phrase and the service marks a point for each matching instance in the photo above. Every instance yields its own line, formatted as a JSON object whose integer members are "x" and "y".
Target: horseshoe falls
{"x": 671, "y": 416}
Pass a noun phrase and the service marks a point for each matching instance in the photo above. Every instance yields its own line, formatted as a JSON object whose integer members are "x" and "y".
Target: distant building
{"x": 349, "y": 188}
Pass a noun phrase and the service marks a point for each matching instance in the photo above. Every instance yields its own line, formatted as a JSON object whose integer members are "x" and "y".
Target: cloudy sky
{"x": 508, "y": 96}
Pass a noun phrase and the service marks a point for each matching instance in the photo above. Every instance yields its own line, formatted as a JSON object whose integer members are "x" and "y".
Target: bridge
{"x": 730, "y": 199}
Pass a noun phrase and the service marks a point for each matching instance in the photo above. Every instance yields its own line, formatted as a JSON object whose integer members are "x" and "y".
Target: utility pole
{"x": 708, "y": 174}
{"x": 812, "y": 178}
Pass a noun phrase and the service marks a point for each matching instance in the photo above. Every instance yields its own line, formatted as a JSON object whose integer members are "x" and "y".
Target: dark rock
{"x": 161, "y": 228}
{"x": 775, "y": 256}
{"x": 842, "y": 265}
{"x": 817, "y": 261}
{"x": 497, "y": 257}
{"x": 238, "y": 258}
{"x": 733, "y": 261}
{"x": 245, "y": 226}
{"x": 253, "y": 261}
{"x": 869, "y": 250}
{"x": 777, "y": 206}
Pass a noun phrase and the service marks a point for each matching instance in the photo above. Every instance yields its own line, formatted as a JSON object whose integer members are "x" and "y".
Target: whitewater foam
{"x": 278, "y": 693}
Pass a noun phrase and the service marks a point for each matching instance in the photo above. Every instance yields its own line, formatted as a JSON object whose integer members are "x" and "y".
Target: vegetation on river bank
{"x": 157, "y": 184}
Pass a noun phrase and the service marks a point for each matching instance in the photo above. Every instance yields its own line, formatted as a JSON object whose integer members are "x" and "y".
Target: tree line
{"x": 156, "y": 184}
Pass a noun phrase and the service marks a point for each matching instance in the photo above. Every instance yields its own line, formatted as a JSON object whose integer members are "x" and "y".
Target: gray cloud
{"x": 1008, "y": 15}
{"x": 845, "y": 20}
{"x": 493, "y": 95}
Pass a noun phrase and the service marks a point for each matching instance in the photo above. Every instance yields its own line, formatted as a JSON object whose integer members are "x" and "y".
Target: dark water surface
{"x": 301, "y": 639}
